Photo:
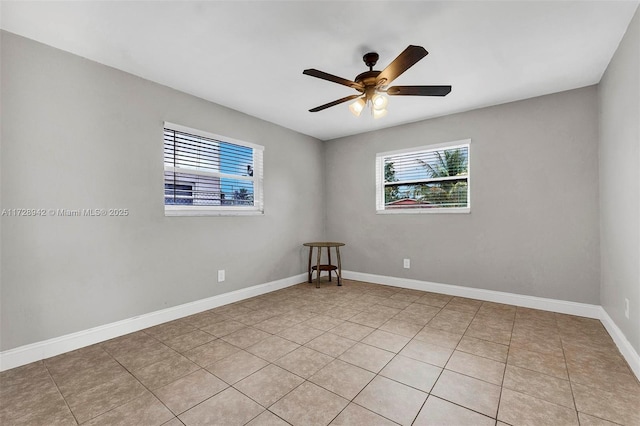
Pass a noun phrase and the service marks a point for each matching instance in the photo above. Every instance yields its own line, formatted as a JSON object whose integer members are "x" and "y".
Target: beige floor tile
{"x": 439, "y": 337}
{"x": 342, "y": 312}
{"x": 145, "y": 409}
{"x": 300, "y": 334}
{"x": 387, "y": 341}
{"x": 330, "y": 344}
{"x": 309, "y": 404}
{"x": 170, "y": 330}
{"x": 211, "y": 352}
{"x": 542, "y": 386}
{"x": 552, "y": 365}
{"x": 370, "y": 319}
{"x": 495, "y": 335}
{"x": 451, "y": 320}
{"x": 267, "y": 418}
{"x": 245, "y": 337}
{"x": 427, "y": 352}
{"x": 491, "y": 321}
{"x": 580, "y": 356}
{"x": 35, "y": 406}
{"x": 437, "y": 412}
{"x": 93, "y": 402}
{"x": 304, "y": 361}
{"x": 204, "y": 319}
{"x": 471, "y": 393}
{"x": 394, "y": 303}
{"x": 74, "y": 380}
{"x": 604, "y": 378}
{"x": 221, "y": 329}
{"x": 226, "y": 408}
{"x": 420, "y": 319}
{"x": 164, "y": 372}
{"x": 392, "y": 400}
{"x": 411, "y": 372}
{"x": 254, "y": 317}
{"x": 137, "y": 357}
{"x": 78, "y": 361}
{"x": 269, "y": 384}
{"x": 342, "y": 378}
{"x": 355, "y": 415}
{"x": 421, "y": 309}
{"x": 368, "y": 357}
{"x": 352, "y": 331}
{"x": 323, "y": 322}
{"x": 475, "y": 366}
{"x": 190, "y": 390}
{"x": 46, "y": 415}
{"x": 434, "y": 299}
{"x": 587, "y": 420}
{"x": 483, "y": 348}
{"x": 233, "y": 310}
{"x": 272, "y": 348}
{"x": 236, "y": 367}
{"x": 540, "y": 345}
{"x": 617, "y": 407}
{"x": 275, "y": 325}
{"x": 519, "y": 409}
{"x": 129, "y": 342}
{"x": 464, "y": 304}
{"x": 188, "y": 341}
{"x": 403, "y": 328}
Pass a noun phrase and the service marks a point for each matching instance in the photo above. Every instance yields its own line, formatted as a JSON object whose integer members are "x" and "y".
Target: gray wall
{"x": 619, "y": 160}
{"x": 533, "y": 226}
{"x": 77, "y": 134}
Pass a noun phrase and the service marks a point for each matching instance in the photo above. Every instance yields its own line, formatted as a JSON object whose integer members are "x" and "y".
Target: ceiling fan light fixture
{"x": 379, "y": 113}
{"x": 379, "y": 102}
{"x": 357, "y": 107}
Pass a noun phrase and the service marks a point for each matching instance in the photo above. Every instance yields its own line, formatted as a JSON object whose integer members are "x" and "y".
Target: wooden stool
{"x": 326, "y": 267}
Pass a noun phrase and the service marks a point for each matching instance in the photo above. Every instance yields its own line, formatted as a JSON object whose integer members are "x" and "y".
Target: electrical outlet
{"x": 407, "y": 263}
{"x": 626, "y": 308}
{"x": 220, "y": 275}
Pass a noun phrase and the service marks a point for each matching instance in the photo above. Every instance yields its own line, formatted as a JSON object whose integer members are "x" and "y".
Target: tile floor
{"x": 361, "y": 354}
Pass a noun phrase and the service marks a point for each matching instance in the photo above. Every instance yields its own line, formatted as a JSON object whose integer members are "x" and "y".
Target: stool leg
{"x": 329, "y": 260}
{"x": 309, "y": 265}
{"x": 318, "y": 270}
{"x": 339, "y": 266}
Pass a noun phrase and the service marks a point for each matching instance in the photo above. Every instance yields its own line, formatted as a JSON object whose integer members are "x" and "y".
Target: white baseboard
{"x": 628, "y": 351}
{"x": 37, "y": 351}
{"x": 553, "y": 305}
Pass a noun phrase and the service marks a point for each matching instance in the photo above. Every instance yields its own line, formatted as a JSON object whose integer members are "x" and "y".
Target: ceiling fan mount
{"x": 372, "y": 84}
{"x": 371, "y": 59}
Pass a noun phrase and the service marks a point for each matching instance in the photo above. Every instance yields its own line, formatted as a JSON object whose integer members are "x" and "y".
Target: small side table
{"x": 327, "y": 267}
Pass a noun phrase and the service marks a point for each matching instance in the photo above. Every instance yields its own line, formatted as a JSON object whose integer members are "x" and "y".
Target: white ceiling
{"x": 249, "y": 56}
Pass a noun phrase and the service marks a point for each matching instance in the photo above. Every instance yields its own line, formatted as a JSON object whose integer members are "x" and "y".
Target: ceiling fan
{"x": 372, "y": 85}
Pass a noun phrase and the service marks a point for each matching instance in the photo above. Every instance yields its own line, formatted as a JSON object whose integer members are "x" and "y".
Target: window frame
{"x": 222, "y": 210}
{"x": 380, "y": 184}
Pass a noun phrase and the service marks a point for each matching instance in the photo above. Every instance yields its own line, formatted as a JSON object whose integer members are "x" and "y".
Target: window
{"x": 429, "y": 179}
{"x": 206, "y": 174}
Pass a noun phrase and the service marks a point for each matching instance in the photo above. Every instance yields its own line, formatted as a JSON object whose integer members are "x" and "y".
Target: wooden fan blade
{"x": 330, "y": 104}
{"x": 403, "y": 62}
{"x": 418, "y": 90}
{"x": 333, "y": 78}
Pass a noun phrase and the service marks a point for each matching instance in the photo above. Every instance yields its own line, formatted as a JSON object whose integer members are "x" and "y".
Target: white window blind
{"x": 207, "y": 174}
{"x": 431, "y": 179}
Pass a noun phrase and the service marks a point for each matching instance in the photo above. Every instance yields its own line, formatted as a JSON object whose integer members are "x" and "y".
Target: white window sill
{"x": 211, "y": 212}
{"x": 461, "y": 210}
